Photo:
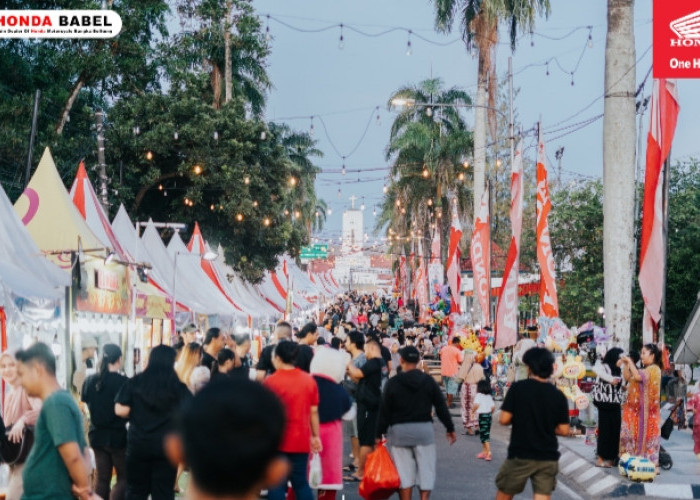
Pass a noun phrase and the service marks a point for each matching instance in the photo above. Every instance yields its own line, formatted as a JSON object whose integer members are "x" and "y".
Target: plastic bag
{"x": 315, "y": 475}
{"x": 381, "y": 479}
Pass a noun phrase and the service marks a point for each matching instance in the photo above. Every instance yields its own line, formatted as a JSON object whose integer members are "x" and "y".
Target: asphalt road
{"x": 460, "y": 475}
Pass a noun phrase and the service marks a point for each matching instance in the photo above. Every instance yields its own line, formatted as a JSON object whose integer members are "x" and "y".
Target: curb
{"x": 598, "y": 483}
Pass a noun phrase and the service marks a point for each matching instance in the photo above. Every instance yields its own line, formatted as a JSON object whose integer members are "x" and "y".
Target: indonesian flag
{"x": 664, "y": 114}
{"x": 549, "y": 306}
{"x": 479, "y": 256}
{"x": 436, "y": 271}
{"x": 454, "y": 278}
{"x": 507, "y": 310}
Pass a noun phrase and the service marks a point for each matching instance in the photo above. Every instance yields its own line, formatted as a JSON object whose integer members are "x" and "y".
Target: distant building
{"x": 353, "y": 230}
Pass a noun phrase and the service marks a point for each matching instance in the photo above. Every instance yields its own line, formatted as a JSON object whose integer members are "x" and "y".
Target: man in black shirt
{"x": 368, "y": 397}
{"x": 405, "y": 417}
{"x": 213, "y": 343}
{"x": 307, "y": 337}
{"x": 283, "y": 331}
{"x": 539, "y": 412}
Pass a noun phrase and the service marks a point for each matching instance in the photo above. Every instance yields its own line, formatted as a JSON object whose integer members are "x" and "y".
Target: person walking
{"x": 56, "y": 468}
{"x": 368, "y": 397}
{"x": 538, "y": 412}
{"x": 213, "y": 343}
{"x": 299, "y": 395}
{"x": 107, "y": 431}
{"x": 355, "y": 345}
{"x": 450, "y": 359}
{"x": 150, "y": 401}
{"x": 640, "y": 430}
{"x": 483, "y": 407}
{"x": 609, "y": 395}
{"x": 405, "y": 418}
{"x": 19, "y": 411}
{"x": 470, "y": 373}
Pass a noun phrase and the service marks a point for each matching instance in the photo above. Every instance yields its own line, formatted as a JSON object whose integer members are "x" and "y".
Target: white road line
{"x": 568, "y": 491}
{"x": 575, "y": 465}
{"x": 603, "y": 484}
{"x": 593, "y": 471}
{"x": 668, "y": 490}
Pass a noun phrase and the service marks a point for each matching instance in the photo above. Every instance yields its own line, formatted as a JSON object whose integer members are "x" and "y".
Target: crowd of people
{"x": 241, "y": 423}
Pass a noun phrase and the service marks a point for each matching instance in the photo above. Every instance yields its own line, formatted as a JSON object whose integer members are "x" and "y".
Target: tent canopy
{"x": 688, "y": 347}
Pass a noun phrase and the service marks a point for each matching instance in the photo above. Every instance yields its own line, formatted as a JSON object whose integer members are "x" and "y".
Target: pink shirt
{"x": 18, "y": 405}
{"x": 451, "y": 357}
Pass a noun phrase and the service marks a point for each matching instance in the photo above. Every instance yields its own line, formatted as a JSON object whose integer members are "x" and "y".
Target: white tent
{"x": 24, "y": 271}
{"x": 190, "y": 275}
{"x": 688, "y": 348}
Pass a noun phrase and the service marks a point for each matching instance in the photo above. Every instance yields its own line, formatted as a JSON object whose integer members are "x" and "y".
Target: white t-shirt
{"x": 485, "y": 402}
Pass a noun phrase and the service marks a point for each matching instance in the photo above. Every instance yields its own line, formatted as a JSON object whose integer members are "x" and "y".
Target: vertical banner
{"x": 549, "y": 305}
{"x": 479, "y": 257}
{"x": 422, "y": 284}
{"x": 507, "y": 310}
{"x": 403, "y": 277}
{"x": 664, "y": 114}
{"x": 436, "y": 271}
{"x": 454, "y": 277}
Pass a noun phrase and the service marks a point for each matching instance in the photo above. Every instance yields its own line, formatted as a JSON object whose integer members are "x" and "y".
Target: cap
{"x": 409, "y": 354}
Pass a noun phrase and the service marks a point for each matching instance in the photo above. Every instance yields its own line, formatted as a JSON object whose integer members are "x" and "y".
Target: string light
{"x": 286, "y": 212}
{"x": 246, "y": 180}
{"x": 590, "y": 38}
{"x": 292, "y": 181}
{"x": 430, "y": 202}
{"x": 216, "y": 135}
{"x": 160, "y": 187}
{"x": 572, "y": 78}
{"x": 460, "y": 176}
{"x": 136, "y": 130}
{"x": 340, "y": 193}
{"x": 149, "y": 155}
{"x": 330, "y": 211}
{"x": 255, "y": 203}
{"x": 267, "y": 29}
{"x": 547, "y": 74}
{"x": 263, "y": 135}
{"x": 266, "y": 221}
{"x": 465, "y": 164}
{"x": 425, "y": 173}
{"x": 311, "y": 128}
{"x": 197, "y": 170}
{"x": 297, "y": 214}
{"x": 362, "y": 206}
{"x": 239, "y": 217}
{"x": 409, "y": 49}
{"x": 342, "y": 171}
{"x": 176, "y": 136}
{"x": 385, "y": 189}
{"x": 379, "y": 118}
{"x": 498, "y": 162}
{"x": 341, "y": 42}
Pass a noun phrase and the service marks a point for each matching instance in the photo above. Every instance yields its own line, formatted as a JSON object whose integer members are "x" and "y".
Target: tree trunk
{"x": 79, "y": 84}
{"x": 479, "y": 161}
{"x": 618, "y": 169}
{"x": 228, "y": 69}
{"x": 216, "y": 85}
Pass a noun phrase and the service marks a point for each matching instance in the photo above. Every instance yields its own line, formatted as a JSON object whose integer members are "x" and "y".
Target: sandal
{"x": 352, "y": 478}
{"x": 350, "y": 468}
{"x": 488, "y": 457}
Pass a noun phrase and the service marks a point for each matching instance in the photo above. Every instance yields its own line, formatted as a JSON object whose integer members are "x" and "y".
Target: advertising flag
{"x": 549, "y": 306}
{"x": 480, "y": 258}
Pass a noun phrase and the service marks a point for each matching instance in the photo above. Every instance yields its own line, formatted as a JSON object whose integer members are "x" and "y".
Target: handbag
{"x": 16, "y": 453}
{"x": 381, "y": 479}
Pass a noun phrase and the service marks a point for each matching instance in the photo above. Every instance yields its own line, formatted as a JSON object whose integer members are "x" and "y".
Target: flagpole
{"x": 667, "y": 175}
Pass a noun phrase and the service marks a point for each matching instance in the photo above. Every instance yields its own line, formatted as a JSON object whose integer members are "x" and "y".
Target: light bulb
{"x": 165, "y": 193}
{"x": 286, "y": 212}
{"x": 266, "y": 222}
{"x": 297, "y": 214}
{"x": 255, "y": 203}
{"x": 379, "y": 120}
{"x": 311, "y": 130}
{"x": 136, "y": 130}
{"x": 239, "y": 217}
{"x": 211, "y": 207}
{"x": 430, "y": 202}
{"x": 340, "y": 193}
{"x": 409, "y": 49}
{"x": 498, "y": 162}
{"x": 429, "y": 112}
{"x": 362, "y": 207}
{"x": 465, "y": 164}
{"x": 590, "y": 41}
{"x": 460, "y": 176}
{"x": 341, "y": 43}
{"x": 246, "y": 180}
{"x": 175, "y": 135}
{"x": 374, "y": 211}
{"x": 197, "y": 170}
{"x": 160, "y": 187}
{"x": 330, "y": 211}
{"x": 263, "y": 135}
{"x": 426, "y": 174}
{"x": 216, "y": 135}
{"x": 342, "y": 171}
{"x": 267, "y": 34}
{"x": 385, "y": 189}
{"x": 149, "y": 155}
{"x": 292, "y": 181}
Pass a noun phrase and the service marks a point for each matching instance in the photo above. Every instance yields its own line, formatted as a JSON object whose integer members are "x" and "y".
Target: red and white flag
{"x": 507, "y": 310}
{"x": 454, "y": 278}
{"x": 549, "y": 305}
{"x": 664, "y": 114}
{"x": 479, "y": 253}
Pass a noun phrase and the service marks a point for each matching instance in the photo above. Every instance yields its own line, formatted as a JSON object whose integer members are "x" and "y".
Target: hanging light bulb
{"x": 403, "y": 210}
{"x": 292, "y": 181}
{"x": 430, "y": 202}
{"x": 149, "y": 155}
{"x": 246, "y": 180}
{"x": 460, "y": 176}
{"x": 342, "y": 170}
{"x": 136, "y": 130}
{"x": 379, "y": 118}
{"x": 263, "y": 135}
{"x": 340, "y": 193}
{"x": 385, "y": 189}
{"x": 409, "y": 49}
{"x": 374, "y": 211}
{"x": 330, "y": 211}
{"x": 216, "y": 135}
{"x": 255, "y": 203}
{"x": 317, "y": 214}
{"x": 267, "y": 29}
{"x": 211, "y": 207}
{"x": 266, "y": 221}
{"x": 547, "y": 74}
{"x": 498, "y": 162}
{"x": 425, "y": 173}
{"x": 165, "y": 193}
{"x": 465, "y": 164}
{"x": 197, "y": 170}
{"x": 239, "y": 217}
{"x": 429, "y": 112}
{"x": 176, "y": 136}
{"x": 160, "y": 187}
{"x": 297, "y": 214}
{"x": 362, "y": 206}
{"x": 341, "y": 41}
{"x": 590, "y": 38}
{"x": 398, "y": 202}
{"x": 311, "y": 128}
{"x": 286, "y": 212}
{"x": 572, "y": 78}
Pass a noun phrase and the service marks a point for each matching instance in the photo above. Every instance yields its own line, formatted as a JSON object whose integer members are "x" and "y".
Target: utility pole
{"x": 664, "y": 233}
{"x": 511, "y": 126}
{"x": 558, "y": 155}
{"x": 99, "y": 122}
{"x": 32, "y": 134}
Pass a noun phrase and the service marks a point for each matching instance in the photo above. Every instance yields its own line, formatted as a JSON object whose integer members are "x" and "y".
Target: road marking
{"x": 568, "y": 491}
{"x": 575, "y": 465}
{"x": 668, "y": 490}
{"x": 603, "y": 484}
{"x": 593, "y": 471}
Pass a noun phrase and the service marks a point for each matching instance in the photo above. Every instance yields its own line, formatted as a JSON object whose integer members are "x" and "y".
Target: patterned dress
{"x": 640, "y": 434}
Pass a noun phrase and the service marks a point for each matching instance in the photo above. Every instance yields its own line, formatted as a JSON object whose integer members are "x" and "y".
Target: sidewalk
{"x": 682, "y": 481}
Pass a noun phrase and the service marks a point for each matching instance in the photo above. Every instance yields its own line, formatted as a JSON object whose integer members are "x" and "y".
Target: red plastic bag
{"x": 381, "y": 479}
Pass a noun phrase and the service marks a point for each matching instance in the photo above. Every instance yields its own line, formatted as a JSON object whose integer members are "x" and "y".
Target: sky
{"x": 342, "y": 88}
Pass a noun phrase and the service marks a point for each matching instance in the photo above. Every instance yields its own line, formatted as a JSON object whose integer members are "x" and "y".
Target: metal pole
{"x": 637, "y": 179}
{"x": 99, "y": 121}
{"x": 32, "y": 134}
{"x": 511, "y": 127}
{"x": 667, "y": 175}
{"x": 174, "y": 277}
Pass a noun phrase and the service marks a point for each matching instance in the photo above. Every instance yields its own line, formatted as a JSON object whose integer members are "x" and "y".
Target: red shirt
{"x": 298, "y": 392}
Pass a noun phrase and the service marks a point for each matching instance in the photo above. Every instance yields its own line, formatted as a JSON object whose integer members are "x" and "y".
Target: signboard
{"x": 314, "y": 252}
{"x": 101, "y": 288}
{"x": 676, "y": 42}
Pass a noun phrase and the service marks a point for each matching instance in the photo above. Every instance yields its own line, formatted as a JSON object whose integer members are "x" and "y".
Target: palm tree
{"x": 479, "y": 21}
{"x": 618, "y": 169}
{"x": 428, "y": 146}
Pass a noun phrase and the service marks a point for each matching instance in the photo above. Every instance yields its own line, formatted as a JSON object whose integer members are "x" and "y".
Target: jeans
{"x": 106, "y": 459}
{"x": 148, "y": 472}
{"x": 298, "y": 476}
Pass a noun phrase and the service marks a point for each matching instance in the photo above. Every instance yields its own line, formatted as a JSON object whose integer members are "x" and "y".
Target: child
{"x": 484, "y": 406}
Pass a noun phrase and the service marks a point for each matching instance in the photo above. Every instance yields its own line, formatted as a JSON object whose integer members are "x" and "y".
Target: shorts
{"x": 350, "y": 427}
{"x": 485, "y": 427}
{"x": 451, "y": 385}
{"x": 367, "y": 425}
{"x": 416, "y": 465}
{"x": 514, "y": 473}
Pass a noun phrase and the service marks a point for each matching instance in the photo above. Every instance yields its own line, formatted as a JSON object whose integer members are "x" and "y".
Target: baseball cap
{"x": 409, "y": 354}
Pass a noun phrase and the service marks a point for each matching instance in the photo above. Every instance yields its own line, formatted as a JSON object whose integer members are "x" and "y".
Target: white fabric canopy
{"x": 688, "y": 348}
